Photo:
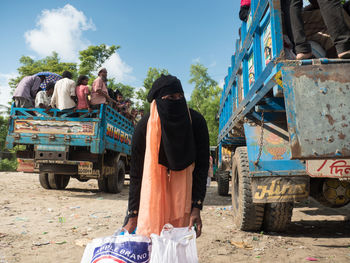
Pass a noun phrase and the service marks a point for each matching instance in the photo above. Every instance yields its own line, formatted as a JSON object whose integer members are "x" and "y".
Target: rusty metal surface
{"x": 317, "y": 101}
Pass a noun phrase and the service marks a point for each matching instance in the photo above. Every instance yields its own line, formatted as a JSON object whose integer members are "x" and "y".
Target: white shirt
{"x": 61, "y": 98}
{"x": 42, "y": 98}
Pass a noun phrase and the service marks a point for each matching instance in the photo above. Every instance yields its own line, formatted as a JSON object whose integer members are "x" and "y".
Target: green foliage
{"x": 50, "y": 63}
{"x": 93, "y": 57}
{"x": 205, "y": 98}
{"x": 3, "y": 132}
{"x": 126, "y": 90}
{"x": 8, "y": 165}
{"x": 152, "y": 75}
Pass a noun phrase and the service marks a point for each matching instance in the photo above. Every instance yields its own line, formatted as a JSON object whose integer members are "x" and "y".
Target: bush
{"x": 8, "y": 165}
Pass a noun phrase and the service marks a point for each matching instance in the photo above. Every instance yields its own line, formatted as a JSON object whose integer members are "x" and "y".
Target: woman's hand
{"x": 131, "y": 225}
{"x": 195, "y": 220}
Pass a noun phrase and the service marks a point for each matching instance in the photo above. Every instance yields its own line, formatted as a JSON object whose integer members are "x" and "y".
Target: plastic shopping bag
{"x": 174, "y": 245}
{"x": 119, "y": 248}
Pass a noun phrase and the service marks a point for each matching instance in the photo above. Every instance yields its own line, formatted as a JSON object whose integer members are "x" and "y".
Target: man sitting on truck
{"x": 64, "y": 96}
{"x": 43, "y": 97}
{"x": 26, "y": 91}
{"x": 331, "y": 11}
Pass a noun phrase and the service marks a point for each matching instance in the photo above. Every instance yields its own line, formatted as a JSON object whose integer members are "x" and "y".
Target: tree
{"x": 152, "y": 75}
{"x": 93, "y": 58}
{"x": 205, "y": 98}
{"x": 50, "y": 63}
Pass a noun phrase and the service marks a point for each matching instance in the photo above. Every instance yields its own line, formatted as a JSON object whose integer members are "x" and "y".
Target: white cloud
{"x": 196, "y": 60}
{"x": 60, "y": 30}
{"x": 118, "y": 69}
{"x": 5, "y": 90}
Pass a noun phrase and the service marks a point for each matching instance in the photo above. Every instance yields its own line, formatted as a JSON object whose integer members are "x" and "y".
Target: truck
{"x": 60, "y": 145}
{"x": 283, "y": 126}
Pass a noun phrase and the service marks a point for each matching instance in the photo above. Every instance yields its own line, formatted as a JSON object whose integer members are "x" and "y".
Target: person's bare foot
{"x": 301, "y": 56}
{"x": 345, "y": 54}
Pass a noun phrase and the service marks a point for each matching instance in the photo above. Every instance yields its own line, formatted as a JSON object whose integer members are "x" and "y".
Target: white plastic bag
{"x": 174, "y": 245}
{"x": 125, "y": 248}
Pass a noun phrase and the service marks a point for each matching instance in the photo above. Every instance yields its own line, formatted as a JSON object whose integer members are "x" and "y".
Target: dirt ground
{"x": 38, "y": 225}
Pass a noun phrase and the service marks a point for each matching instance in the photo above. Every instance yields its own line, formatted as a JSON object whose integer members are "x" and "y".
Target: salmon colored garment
{"x": 165, "y": 198}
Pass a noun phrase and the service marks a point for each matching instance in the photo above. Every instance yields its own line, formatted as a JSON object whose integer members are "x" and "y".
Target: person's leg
{"x": 332, "y": 13}
{"x": 302, "y": 47}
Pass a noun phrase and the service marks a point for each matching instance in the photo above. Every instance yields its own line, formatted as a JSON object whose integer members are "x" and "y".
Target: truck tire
{"x": 223, "y": 179}
{"x": 58, "y": 181}
{"x": 116, "y": 180}
{"x": 277, "y": 216}
{"x": 103, "y": 185}
{"x": 247, "y": 216}
{"x": 44, "y": 180}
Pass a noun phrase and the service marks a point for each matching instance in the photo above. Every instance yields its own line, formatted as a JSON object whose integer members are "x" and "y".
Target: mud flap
{"x": 280, "y": 189}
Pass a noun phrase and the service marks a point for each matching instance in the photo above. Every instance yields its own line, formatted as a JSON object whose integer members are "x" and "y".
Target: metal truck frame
{"x": 284, "y": 128}
{"x": 60, "y": 145}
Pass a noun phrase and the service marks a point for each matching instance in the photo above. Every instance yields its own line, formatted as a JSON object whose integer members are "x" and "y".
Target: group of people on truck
{"x": 65, "y": 94}
{"x": 324, "y": 21}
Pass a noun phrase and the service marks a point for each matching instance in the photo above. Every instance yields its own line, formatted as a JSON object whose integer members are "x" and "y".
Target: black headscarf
{"x": 177, "y": 147}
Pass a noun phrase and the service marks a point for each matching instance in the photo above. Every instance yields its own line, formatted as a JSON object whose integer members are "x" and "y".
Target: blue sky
{"x": 162, "y": 34}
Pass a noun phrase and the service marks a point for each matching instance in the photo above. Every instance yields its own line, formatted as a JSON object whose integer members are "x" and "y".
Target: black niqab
{"x": 177, "y": 147}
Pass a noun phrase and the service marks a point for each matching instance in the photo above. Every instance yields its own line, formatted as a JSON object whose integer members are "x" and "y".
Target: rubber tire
{"x": 277, "y": 216}
{"x": 103, "y": 185}
{"x": 247, "y": 216}
{"x": 116, "y": 180}
{"x": 44, "y": 180}
{"x": 223, "y": 179}
{"x": 58, "y": 181}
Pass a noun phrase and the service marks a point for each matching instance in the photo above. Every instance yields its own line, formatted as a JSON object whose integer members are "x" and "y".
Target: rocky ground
{"x": 38, "y": 225}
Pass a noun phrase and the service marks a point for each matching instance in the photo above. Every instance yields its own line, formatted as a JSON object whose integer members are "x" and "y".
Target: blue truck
{"x": 284, "y": 126}
{"x": 80, "y": 144}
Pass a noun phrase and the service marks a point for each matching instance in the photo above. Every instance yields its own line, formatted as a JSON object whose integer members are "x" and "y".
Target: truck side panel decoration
{"x": 54, "y": 127}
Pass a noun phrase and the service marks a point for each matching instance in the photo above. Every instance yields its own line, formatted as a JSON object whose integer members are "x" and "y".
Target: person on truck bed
{"x": 244, "y": 10}
{"x": 99, "y": 93}
{"x": 169, "y": 163}
{"x": 43, "y": 97}
{"x": 82, "y": 91}
{"x": 26, "y": 90}
{"x": 64, "y": 96}
{"x": 331, "y": 11}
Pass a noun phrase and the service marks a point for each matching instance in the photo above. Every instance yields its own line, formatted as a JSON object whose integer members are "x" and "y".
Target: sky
{"x": 163, "y": 34}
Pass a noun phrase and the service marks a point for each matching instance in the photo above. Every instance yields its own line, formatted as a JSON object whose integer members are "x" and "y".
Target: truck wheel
{"x": 58, "y": 181}
{"x": 277, "y": 216}
{"x": 223, "y": 179}
{"x": 116, "y": 180}
{"x": 247, "y": 216}
{"x": 103, "y": 185}
{"x": 44, "y": 180}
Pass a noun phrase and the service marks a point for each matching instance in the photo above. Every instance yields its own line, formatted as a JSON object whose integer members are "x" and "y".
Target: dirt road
{"x": 38, "y": 225}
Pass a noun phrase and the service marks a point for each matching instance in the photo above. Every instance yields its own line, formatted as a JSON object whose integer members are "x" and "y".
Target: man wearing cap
{"x": 169, "y": 163}
{"x": 99, "y": 93}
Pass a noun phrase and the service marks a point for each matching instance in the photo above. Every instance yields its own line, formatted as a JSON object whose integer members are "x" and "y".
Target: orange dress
{"x": 165, "y": 197}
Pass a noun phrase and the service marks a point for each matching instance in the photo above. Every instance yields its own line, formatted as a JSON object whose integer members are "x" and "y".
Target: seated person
{"x": 82, "y": 91}
{"x": 64, "y": 96}
{"x": 26, "y": 90}
{"x": 332, "y": 15}
{"x": 43, "y": 97}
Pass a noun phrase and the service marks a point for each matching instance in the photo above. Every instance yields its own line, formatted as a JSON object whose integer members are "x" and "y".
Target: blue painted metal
{"x": 99, "y": 130}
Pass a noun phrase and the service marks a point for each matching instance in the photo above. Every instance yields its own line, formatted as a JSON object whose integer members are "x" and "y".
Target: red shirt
{"x": 81, "y": 92}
